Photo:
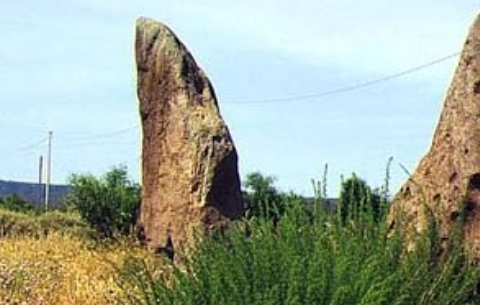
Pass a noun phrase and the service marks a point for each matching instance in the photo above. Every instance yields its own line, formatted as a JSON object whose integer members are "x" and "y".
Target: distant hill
{"x": 34, "y": 193}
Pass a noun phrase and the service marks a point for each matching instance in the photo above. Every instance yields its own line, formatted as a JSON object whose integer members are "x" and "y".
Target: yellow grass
{"x": 59, "y": 269}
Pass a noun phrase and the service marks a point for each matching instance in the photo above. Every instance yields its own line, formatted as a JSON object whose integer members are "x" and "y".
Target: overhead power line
{"x": 304, "y": 97}
{"x": 32, "y": 146}
{"x": 101, "y": 136}
{"x": 79, "y": 141}
{"x": 85, "y": 139}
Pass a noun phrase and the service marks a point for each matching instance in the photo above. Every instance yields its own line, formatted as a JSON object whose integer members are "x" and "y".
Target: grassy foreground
{"x": 291, "y": 252}
{"x": 53, "y": 262}
{"x": 310, "y": 257}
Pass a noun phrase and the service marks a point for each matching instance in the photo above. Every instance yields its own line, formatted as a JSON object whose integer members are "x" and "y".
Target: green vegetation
{"x": 261, "y": 197}
{"x": 109, "y": 204}
{"x": 19, "y": 218}
{"x": 20, "y": 224}
{"x": 16, "y": 203}
{"x": 288, "y": 250}
{"x": 313, "y": 258}
{"x": 357, "y": 200}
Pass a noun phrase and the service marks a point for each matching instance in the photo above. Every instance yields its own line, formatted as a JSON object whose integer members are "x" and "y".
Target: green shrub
{"x": 262, "y": 198}
{"x": 109, "y": 204}
{"x": 16, "y": 203}
{"x": 18, "y": 223}
{"x": 300, "y": 261}
{"x": 357, "y": 200}
{"x": 64, "y": 222}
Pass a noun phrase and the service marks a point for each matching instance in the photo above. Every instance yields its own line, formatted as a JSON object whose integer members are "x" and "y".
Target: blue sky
{"x": 68, "y": 66}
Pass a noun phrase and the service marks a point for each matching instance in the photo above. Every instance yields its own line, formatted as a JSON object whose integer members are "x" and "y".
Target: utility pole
{"x": 40, "y": 184}
{"x": 49, "y": 170}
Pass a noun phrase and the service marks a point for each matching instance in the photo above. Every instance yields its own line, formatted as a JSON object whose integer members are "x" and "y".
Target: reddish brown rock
{"x": 190, "y": 178}
{"x": 448, "y": 177}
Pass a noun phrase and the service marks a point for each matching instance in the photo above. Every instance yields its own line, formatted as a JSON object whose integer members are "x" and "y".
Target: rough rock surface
{"x": 190, "y": 178}
{"x": 448, "y": 177}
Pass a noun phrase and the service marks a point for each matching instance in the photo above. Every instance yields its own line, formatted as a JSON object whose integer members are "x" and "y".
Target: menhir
{"x": 446, "y": 183}
{"x": 190, "y": 179}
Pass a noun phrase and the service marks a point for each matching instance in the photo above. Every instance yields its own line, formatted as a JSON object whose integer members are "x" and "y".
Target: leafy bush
{"x": 301, "y": 260}
{"x": 261, "y": 197}
{"x": 109, "y": 204}
{"x": 357, "y": 200}
{"x": 18, "y": 223}
{"x": 16, "y": 203}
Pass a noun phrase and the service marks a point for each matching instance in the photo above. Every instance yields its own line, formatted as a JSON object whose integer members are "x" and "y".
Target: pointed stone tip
{"x": 149, "y": 22}
{"x": 148, "y": 28}
{"x": 142, "y": 20}
{"x": 150, "y": 33}
{"x": 475, "y": 27}
{"x": 476, "y": 23}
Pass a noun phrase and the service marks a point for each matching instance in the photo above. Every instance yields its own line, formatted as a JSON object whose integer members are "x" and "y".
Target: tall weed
{"x": 306, "y": 258}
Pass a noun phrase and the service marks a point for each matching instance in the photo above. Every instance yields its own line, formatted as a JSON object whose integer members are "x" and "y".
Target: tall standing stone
{"x": 190, "y": 178}
{"x": 447, "y": 180}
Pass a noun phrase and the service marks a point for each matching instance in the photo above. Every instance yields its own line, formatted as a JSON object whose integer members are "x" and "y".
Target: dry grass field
{"x": 59, "y": 268}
